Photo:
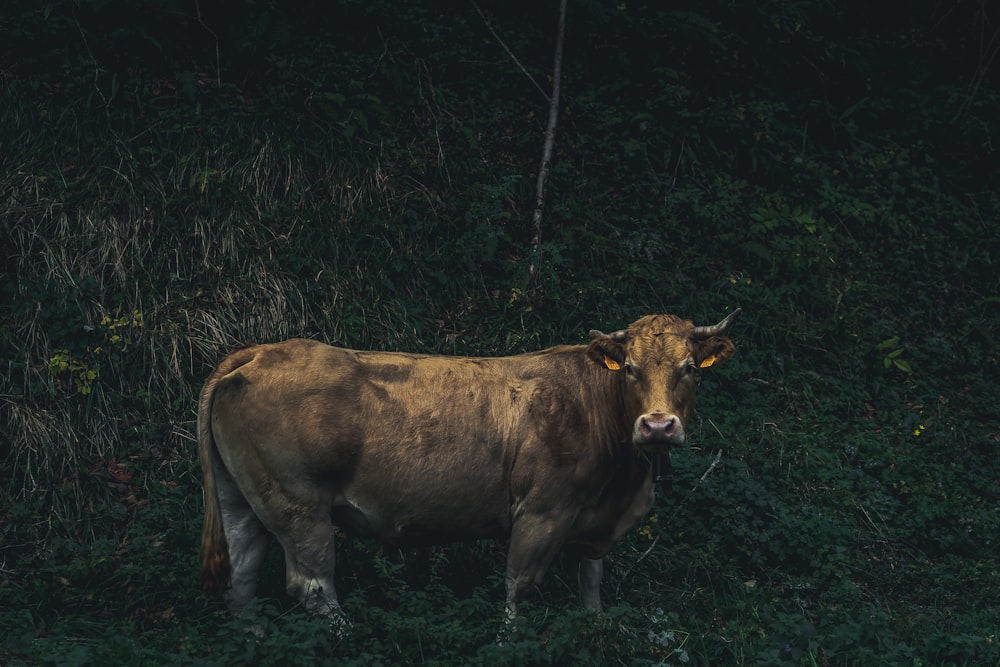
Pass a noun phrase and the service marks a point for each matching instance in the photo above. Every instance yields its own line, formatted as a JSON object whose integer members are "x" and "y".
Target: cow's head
{"x": 661, "y": 357}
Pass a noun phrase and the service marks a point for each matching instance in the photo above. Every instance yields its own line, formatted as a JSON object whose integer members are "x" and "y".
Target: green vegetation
{"x": 178, "y": 178}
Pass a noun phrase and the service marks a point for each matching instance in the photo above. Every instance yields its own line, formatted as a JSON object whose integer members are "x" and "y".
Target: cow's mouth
{"x": 659, "y": 447}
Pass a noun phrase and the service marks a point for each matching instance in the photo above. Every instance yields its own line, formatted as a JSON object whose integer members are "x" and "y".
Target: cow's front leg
{"x": 591, "y": 572}
{"x": 534, "y": 542}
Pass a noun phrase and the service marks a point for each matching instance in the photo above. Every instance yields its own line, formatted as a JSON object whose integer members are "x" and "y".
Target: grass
{"x": 839, "y": 505}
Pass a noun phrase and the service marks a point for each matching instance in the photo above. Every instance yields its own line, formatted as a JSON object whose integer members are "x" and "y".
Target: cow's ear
{"x": 608, "y": 350}
{"x": 713, "y": 351}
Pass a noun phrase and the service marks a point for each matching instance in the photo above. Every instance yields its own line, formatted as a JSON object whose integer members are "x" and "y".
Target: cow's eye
{"x": 629, "y": 369}
{"x": 691, "y": 370}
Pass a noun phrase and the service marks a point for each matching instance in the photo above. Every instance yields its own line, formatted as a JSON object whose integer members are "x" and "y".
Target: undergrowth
{"x": 175, "y": 183}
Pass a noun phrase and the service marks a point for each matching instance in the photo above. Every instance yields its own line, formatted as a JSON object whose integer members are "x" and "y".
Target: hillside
{"x": 178, "y": 179}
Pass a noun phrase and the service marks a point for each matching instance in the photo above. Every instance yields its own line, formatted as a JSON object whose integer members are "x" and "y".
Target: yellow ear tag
{"x": 707, "y": 361}
{"x": 611, "y": 364}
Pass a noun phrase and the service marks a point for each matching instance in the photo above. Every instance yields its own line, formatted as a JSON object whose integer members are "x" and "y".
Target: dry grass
{"x": 191, "y": 232}
{"x": 43, "y": 445}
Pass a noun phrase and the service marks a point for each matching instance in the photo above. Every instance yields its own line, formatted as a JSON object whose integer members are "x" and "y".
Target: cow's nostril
{"x": 651, "y": 426}
{"x": 658, "y": 426}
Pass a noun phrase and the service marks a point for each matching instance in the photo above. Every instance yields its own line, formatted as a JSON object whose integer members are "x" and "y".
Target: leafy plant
{"x": 177, "y": 180}
{"x": 892, "y": 353}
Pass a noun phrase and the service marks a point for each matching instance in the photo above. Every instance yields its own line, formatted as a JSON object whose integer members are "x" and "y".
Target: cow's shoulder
{"x": 571, "y": 427}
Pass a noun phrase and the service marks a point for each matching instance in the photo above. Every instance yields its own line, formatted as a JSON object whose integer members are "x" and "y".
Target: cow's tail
{"x": 216, "y": 569}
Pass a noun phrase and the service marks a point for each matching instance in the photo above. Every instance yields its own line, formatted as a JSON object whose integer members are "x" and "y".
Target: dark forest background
{"x": 179, "y": 177}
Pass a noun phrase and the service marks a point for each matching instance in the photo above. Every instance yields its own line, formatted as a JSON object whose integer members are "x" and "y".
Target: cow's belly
{"x": 415, "y": 519}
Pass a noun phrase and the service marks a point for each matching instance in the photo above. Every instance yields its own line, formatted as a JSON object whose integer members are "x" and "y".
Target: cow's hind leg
{"x": 309, "y": 563}
{"x": 247, "y": 539}
{"x": 299, "y": 516}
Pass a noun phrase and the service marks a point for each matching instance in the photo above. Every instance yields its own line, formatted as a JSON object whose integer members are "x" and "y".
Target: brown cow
{"x": 549, "y": 449}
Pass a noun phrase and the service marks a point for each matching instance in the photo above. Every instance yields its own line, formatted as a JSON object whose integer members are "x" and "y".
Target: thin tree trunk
{"x": 550, "y": 139}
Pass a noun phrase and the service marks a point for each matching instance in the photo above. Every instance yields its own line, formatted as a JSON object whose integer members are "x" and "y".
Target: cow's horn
{"x": 716, "y": 329}
{"x": 617, "y": 336}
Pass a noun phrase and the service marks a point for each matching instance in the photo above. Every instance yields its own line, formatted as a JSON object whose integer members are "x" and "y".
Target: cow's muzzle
{"x": 658, "y": 430}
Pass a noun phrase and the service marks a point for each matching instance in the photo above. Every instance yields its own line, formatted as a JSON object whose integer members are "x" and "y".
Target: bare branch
{"x": 510, "y": 53}
{"x": 988, "y": 50}
{"x": 550, "y": 139}
{"x": 218, "y": 61}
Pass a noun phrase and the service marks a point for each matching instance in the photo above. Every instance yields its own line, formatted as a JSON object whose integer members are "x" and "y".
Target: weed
{"x": 175, "y": 183}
